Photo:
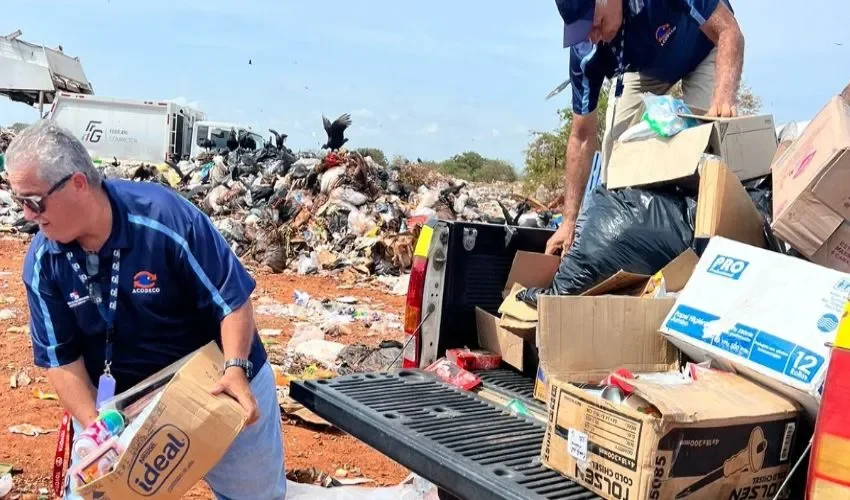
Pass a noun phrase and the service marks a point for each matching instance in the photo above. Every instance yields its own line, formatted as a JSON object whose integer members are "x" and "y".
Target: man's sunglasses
{"x": 36, "y": 203}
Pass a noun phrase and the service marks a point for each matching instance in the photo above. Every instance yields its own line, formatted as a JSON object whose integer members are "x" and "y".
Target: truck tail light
{"x": 415, "y": 296}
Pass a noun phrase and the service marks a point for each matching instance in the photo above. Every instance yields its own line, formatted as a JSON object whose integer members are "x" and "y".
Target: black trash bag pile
{"x": 637, "y": 230}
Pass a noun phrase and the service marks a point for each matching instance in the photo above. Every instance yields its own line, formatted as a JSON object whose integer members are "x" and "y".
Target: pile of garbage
{"x": 311, "y": 212}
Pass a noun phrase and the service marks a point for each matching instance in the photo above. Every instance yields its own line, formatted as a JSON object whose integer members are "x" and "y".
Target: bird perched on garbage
{"x": 246, "y": 141}
{"x": 232, "y": 141}
{"x": 279, "y": 139}
{"x": 207, "y": 144}
{"x": 336, "y": 131}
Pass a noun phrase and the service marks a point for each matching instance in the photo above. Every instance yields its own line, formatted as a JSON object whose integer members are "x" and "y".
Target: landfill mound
{"x": 308, "y": 212}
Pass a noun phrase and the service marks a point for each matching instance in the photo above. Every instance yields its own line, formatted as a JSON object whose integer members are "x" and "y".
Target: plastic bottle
{"x": 108, "y": 424}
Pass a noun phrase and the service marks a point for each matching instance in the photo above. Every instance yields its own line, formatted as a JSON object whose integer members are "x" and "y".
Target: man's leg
{"x": 699, "y": 85}
{"x": 630, "y": 103}
{"x": 253, "y": 466}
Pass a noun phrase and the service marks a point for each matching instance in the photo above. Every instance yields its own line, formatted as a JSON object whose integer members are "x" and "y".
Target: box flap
{"x": 807, "y": 224}
{"x": 532, "y": 270}
{"x": 831, "y": 188}
{"x": 583, "y": 339}
{"x": 658, "y": 160}
{"x": 622, "y": 280}
{"x": 835, "y": 253}
{"x": 714, "y": 395}
{"x": 677, "y": 273}
{"x": 516, "y": 308}
{"x": 501, "y": 341}
{"x": 725, "y": 209}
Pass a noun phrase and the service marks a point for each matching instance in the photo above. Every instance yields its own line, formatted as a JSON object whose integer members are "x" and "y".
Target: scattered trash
{"x": 7, "y": 314}
{"x": 39, "y": 394}
{"x": 358, "y": 358}
{"x": 329, "y": 488}
{"x": 20, "y": 379}
{"x": 321, "y": 350}
{"x": 270, "y": 332}
{"x": 6, "y": 484}
{"x": 303, "y": 333}
{"x": 29, "y": 430}
{"x": 18, "y": 329}
{"x": 452, "y": 374}
{"x": 347, "y": 300}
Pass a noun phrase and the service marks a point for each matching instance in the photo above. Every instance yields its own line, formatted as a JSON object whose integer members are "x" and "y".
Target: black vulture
{"x": 279, "y": 139}
{"x": 336, "y": 131}
{"x": 232, "y": 141}
{"x": 246, "y": 141}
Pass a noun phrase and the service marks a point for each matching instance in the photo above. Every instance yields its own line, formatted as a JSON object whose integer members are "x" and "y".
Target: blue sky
{"x": 422, "y": 79}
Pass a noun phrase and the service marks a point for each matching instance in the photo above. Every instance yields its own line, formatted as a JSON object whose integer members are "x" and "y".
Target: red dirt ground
{"x": 305, "y": 447}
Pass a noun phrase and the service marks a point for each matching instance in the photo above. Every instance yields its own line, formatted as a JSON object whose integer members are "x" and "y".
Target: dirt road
{"x": 304, "y": 447}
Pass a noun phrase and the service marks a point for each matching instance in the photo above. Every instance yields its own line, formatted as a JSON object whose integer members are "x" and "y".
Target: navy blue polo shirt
{"x": 663, "y": 40}
{"x": 178, "y": 280}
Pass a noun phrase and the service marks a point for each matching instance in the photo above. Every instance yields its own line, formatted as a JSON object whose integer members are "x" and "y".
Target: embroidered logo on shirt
{"x": 663, "y": 33}
{"x": 76, "y": 300}
{"x": 145, "y": 282}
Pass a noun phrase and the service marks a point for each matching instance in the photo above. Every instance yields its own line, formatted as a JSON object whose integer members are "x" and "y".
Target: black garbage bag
{"x": 761, "y": 192}
{"x": 636, "y": 230}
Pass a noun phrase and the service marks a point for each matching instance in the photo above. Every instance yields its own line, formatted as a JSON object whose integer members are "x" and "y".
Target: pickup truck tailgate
{"x": 465, "y": 445}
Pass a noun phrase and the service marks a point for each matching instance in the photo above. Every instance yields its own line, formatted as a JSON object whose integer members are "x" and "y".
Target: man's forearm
{"x": 75, "y": 390}
{"x": 237, "y": 332}
{"x": 729, "y": 65}
{"x": 579, "y": 157}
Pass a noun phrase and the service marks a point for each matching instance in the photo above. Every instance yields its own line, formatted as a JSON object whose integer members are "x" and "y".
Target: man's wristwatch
{"x": 241, "y": 363}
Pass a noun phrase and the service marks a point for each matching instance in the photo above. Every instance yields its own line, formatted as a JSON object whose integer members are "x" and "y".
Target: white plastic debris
{"x": 360, "y": 223}
{"x": 308, "y": 263}
{"x": 412, "y": 488}
{"x": 320, "y": 350}
{"x": 7, "y": 314}
{"x": 349, "y": 195}
{"x": 330, "y": 178}
{"x": 6, "y": 485}
{"x": 303, "y": 333}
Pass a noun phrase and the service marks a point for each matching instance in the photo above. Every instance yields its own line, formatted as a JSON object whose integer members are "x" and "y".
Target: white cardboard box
{"x": 763, "y": 314}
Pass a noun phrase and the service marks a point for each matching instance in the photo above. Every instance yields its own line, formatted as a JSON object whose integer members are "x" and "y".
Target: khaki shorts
{"x": 697, "y": 87}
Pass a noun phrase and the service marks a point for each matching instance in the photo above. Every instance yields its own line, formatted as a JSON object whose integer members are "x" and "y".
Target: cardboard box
{"x": 585, "y": 338}
{"x": 186, "y": 434}
{"x": 764, "y": 314}
{"x": 747, "y": 145}
{"x": 811, "y": 200}
{"x": 720, "y": 436}
{"x": 725, "y": 209}
{"x": 517, "y": 350}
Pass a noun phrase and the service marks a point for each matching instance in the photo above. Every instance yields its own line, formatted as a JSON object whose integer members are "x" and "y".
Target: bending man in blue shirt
{"x": 130, "y": 276}
{"x": 653, "y": 44}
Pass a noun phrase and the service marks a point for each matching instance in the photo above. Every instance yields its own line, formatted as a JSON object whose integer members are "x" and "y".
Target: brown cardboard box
{"x": 187, "y": 433}
{"x": 811, "y": 200}
{"x": 516, "y": 349}
{"x": 720, "y": 436}
{"x": 725, "y": 209}
{"x": 583, "y": 339}
{"x": 746, "y": 144}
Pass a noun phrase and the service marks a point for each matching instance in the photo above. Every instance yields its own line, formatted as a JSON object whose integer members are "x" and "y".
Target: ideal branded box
{"x": 720, "y": 436}
{"x": 186, "y": 434}
{"x": 810, "y": 180}
{"x": 763, "y": 314}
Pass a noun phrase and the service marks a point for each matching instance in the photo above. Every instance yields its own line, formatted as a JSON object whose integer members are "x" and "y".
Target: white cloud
{"x": 431, "y": 129}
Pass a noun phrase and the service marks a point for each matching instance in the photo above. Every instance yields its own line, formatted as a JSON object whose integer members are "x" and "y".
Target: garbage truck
{"x": 150, "y": 131}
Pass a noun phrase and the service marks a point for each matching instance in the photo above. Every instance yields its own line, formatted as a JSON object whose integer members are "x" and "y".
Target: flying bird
{"x": 232, "y": 141}
{"x": 336, "y": 131}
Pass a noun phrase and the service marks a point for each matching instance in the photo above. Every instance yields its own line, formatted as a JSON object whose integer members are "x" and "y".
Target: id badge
{"x": 105, "y": 389}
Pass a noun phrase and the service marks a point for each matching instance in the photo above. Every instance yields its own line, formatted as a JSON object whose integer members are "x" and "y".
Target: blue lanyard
{"x": 107, "y": 313}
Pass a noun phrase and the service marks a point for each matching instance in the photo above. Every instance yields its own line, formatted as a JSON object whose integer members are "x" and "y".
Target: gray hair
{"x": 55, "y": 152}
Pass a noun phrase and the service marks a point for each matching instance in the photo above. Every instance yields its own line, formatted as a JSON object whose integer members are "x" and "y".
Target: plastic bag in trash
{"x": 303, "y": 333}
{"x": 308, "y": 264}
{"x": 360, "y": 223}
{"x": 661, "y": 118}
{"x": 349, "y": 195}
{"x": 636, "y": 230}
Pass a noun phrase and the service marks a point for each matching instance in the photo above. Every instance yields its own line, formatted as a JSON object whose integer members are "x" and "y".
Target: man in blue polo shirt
{"x": 645, "y": 46}
{"x": 125, "y": 278}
